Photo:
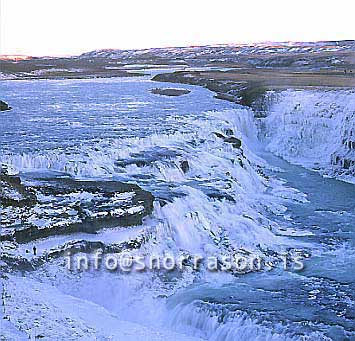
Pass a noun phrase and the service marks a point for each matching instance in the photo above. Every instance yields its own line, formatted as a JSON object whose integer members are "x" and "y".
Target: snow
{"x": 313, "y": 128}
{"x": 306, "y": 127}
{"x": 8, "y": 331}
{"x": 46, "y": 245}
{"x": 39, "y": 309}
{"x": 193, "y": 223}
{"x": 219, "y": 52}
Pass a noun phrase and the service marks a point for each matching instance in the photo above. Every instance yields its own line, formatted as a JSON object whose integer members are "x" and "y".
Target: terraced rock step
{"x": 12, "y": 257}
{"x": 53, "y": 206}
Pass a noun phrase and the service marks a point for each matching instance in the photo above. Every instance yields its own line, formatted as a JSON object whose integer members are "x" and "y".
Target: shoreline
{"x": 248, "y": 87}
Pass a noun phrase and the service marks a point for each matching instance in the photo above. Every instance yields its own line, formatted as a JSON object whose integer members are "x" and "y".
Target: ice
{"x": 219, "y": 202}
{"x": 313, "y": 128}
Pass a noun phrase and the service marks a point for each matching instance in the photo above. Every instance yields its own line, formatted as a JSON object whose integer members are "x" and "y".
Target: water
{"x": 318, "y": 302}
{"x": 70, "y": 114}
{"x": 116, "y": 129}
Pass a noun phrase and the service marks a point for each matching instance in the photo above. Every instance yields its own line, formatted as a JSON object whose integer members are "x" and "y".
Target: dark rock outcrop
{"x": 10, "y": 261}
{"x": 148, "y": 157}
{"x": 244, "y": 93}
{"x": 13, "y": 192}
{"x": 234, "y": 141}
{"x": 170, "y": 92}
{"x": 4, "y": 106}
{"x": 229, "y": 132}
{"x": 184, "y": 165}
{"x": 65, "y": 205}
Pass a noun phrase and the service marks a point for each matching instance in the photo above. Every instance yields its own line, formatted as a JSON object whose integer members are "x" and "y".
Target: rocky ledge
{"x": 40, "y": 208}
{"x": 244, "y": 93}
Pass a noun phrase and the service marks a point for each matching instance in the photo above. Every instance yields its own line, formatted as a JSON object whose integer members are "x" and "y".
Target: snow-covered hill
{"x": 219, "y": 50}
{"x": 250, "y": 53}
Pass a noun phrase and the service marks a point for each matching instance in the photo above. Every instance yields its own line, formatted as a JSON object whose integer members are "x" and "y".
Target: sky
{"x": 71, "y": 27}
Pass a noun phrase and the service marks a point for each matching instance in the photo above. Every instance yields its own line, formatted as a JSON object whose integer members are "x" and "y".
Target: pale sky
{"x": 69, "y": 27}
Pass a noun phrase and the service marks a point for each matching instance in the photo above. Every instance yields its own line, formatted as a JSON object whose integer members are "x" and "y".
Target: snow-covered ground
{"x": 42, "y": 311}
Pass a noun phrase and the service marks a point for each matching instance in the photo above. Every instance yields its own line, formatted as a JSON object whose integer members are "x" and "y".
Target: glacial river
{"x": 116, "y": 129}
{"x": 318, "y": 301}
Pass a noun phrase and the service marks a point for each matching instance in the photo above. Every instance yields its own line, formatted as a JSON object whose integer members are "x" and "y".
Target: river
{"x": 116, "y": 129}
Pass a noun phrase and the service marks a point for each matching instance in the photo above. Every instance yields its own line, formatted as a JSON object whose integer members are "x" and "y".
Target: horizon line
{"x": 266, "y": 42}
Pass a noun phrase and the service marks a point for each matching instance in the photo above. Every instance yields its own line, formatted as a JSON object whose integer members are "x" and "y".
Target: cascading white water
{"x": 219, "y": 202}
{"x": 193, "y": 222}
{"x": 197, "y": 320}
{"x": 196, "y": 221}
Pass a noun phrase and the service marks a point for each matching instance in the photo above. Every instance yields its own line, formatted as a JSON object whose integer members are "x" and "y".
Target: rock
{"x": 184, "y": 165}
{"x": 13, "y": 192}
{"x": 347, "y": 163}
{"x": 8, "y": 170}
{"x": 4, "y": 106}
{"x": 219, "y": 135}
{"x": 226, "y": 97}
{"x": 236, "y": 143}
{"x": 244, "y": 93}
{"x": 15, "y": 262}
{"x": 147, "y": 157}
{"x": 54, "y": 206}
{"x": 220, "y": 196}
{"x": 229, "y": 132}
{"x": 170, "y": 91}
{"x": 250, "y": 94}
